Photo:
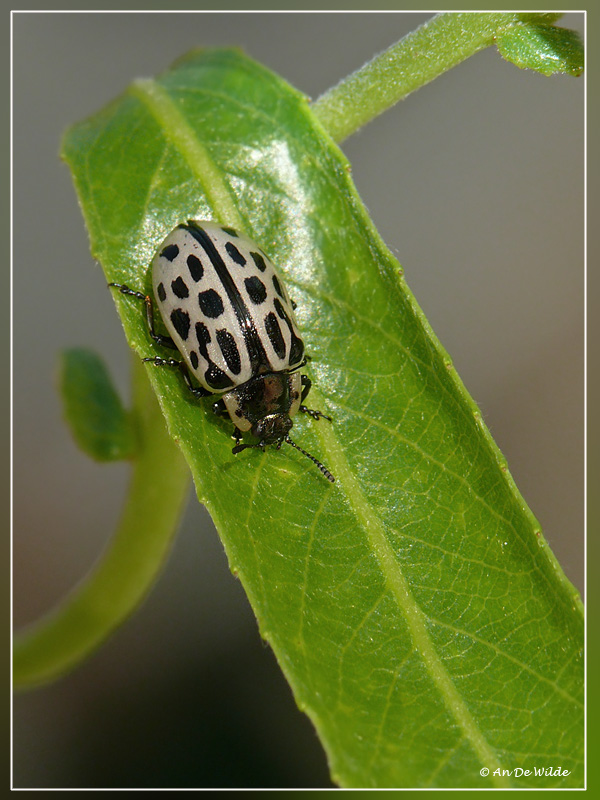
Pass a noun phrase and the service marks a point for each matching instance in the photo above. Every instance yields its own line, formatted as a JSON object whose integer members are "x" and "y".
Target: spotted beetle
{"x": 228, "y": 314}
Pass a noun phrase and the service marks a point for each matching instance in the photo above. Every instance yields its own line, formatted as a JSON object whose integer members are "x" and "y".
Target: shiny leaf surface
{"x": 413, "y": 605}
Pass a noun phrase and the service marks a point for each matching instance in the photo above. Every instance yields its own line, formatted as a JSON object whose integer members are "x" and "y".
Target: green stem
{"x": 128, "y": 569}
{"x": 422, "y": 55}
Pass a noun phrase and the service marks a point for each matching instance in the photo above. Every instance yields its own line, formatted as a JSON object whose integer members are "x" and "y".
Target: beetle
{"x": 228, "y": 314}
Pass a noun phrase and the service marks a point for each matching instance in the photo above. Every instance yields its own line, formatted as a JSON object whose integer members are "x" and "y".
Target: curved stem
{"x": 422, "y": 55}
{"x": 158, "y": 488}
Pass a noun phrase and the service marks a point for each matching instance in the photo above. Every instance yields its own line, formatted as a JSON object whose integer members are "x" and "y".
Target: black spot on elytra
{"x": 277, "y": 286}
{"x": 195, "y": 267}
{"x": 256, "y": 290}
{"x": 296, "y": 344}
{"x": 259, "y": 261}
{"x": 170, "y": 252}
{"x": 203, "y": 337}
{"x": 160, "y": 291}
{"x": 216, "y": 378}
{"x": 194, "y": 359}
{"x": 230, "y": 232}
{"x": 211, "y": 304}
{"x": 230, "y": 351}
{"x": 280, "y": 310}
{"x": 181, "y": 322}
{"x": 179, "y": 288}
{"x": 274, "y": 334}
{"x": 234, "y": 254}
{"x": 296, "y": 350}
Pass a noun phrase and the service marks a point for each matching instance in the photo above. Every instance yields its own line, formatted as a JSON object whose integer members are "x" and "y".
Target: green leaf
{"x": 414, "y": 606}
{"x": 543, "y": 48}
{"x": 100, "y": 425}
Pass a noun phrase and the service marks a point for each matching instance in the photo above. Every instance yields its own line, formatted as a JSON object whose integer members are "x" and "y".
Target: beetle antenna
{"x": 239, "y": 447}
{"x": 322, "y": 467}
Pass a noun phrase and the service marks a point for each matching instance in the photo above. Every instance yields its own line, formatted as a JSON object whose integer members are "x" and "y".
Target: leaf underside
{"x": 414, "y": 606}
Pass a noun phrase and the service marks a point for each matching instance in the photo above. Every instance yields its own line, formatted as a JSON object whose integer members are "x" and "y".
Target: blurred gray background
{"x": 476, "y": 183}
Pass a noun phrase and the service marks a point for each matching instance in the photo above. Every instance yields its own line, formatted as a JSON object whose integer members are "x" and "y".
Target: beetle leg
{"x": 197, "y": 391}
{"x": 306, "y": 384}
{"x": 159, "y": 338}
{"x": 219, "y": 409}
{"x": 239, "y": 447}
{"x": 313, "y": 413}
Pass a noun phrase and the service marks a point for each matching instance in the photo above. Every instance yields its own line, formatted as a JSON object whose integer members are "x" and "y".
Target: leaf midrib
{"x": 408, "y": 606}
{"x": 185, "y": 140}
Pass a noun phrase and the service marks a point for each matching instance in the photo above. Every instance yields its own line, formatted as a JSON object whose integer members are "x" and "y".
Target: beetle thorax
{"x": 265, "y": 398}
